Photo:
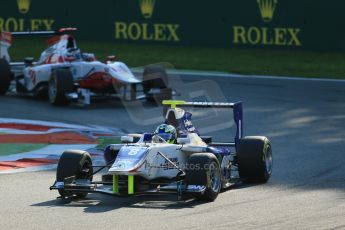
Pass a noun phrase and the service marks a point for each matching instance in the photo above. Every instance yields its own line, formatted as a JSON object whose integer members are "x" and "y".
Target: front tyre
{"x": 5, "y": 76}
{"x": 77, "y": 164}
{"x": 255, "y": 159}
{"x": 60, "y": 83}
{"x": 203, "y": 169}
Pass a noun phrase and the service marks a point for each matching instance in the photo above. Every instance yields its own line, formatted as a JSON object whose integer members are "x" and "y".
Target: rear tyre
{"x": 5, "y": 76}
{"x": 60, "y": 83}
{"x": 155, "y": 77}
{"x": 255, "y": 159}
{"x": 203, "y": 169}
{"x": 74, "y": 163}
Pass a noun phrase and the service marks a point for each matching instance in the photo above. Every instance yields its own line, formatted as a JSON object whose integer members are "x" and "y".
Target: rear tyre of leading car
{"x": 60, "y": 83}
{"x": 77, "y": 164}
{"x": 5, "y": 76}
{"x": 155, "y": 78}
{"x": 255, "y": 159}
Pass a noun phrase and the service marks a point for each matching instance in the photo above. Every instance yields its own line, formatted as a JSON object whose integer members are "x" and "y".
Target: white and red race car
{"x": 66, "y": 74}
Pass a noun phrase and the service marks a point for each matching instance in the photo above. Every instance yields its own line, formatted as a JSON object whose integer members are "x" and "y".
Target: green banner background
{"x": 295, "y": 24}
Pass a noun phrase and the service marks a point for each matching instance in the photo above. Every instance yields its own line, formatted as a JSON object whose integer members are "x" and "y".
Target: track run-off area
{"x": 304, "y": 119}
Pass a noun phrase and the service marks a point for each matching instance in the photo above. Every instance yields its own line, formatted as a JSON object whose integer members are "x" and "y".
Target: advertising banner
{"x": 283, "y": 24}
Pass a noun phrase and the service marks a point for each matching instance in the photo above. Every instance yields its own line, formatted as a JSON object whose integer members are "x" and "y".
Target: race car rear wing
{"x": 48, "y": 32}
{"x": 236, "y": 107}
{"x": 6, "y": 38}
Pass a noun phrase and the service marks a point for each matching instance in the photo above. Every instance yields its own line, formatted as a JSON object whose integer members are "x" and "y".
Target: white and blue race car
{"x": 192, "y": 164}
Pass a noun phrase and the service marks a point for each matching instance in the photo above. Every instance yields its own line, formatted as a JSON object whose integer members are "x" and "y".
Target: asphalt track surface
{"x": 305, "y": 121}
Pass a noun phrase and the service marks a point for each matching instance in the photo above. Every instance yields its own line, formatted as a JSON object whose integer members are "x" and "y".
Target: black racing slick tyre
{"x": 203, "y": 169}
{"x": 60, "y": 83}
{"x": 155, "y": 77}
{"x": 255, "y": 159}
{"x": 5, "y": 76}
{"x": 77, "y": 164}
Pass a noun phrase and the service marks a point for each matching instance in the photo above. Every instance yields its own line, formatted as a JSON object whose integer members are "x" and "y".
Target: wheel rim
{"x": 268, "y": 160}
{"x": 52, "y": 90}
{"x": 214, "y": 177}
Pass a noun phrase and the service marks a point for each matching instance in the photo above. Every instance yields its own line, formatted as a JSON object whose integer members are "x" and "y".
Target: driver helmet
{"x": 167, "y": 132}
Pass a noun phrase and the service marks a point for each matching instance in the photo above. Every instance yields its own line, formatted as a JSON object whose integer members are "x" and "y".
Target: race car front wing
{"x": 116, "y": 187}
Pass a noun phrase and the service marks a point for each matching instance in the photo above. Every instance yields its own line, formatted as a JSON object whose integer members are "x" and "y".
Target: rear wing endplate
{"x": 5, "y": 43}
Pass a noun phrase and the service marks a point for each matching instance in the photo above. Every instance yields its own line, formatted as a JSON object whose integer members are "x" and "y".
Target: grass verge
{"x": 249, "y": 61}
{"x": 104, "y": 141}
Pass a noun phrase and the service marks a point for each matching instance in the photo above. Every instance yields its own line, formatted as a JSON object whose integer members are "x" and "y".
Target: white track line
{"x": 208, "y": 74}
{"x": 229, "y": 75}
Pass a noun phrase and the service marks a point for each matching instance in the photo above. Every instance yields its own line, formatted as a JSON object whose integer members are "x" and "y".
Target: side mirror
{"x": 28, "y": 61}
{"x": 183, "y": 141}
{"x": 127, "y": 139}
{"x": 111, "y": 58}
{"x": 136, "y": 136}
